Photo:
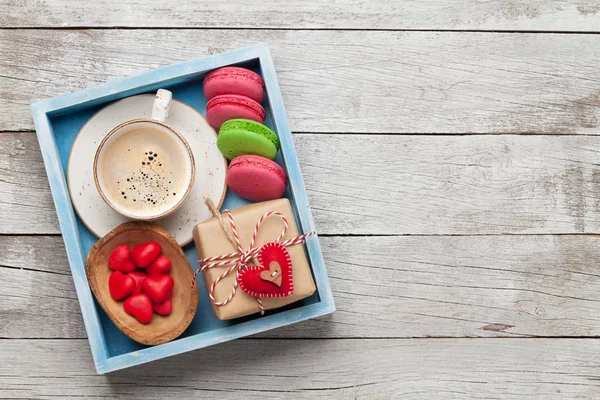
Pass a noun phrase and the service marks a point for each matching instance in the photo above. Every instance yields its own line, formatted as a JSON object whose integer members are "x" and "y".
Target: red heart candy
{"x": 144, "y": 254}
{"x": 158, "y": 288}
{"x": 163, "y": 308}
{"x": 120, "y": 285}
{"x": 139, "y": 277}
{"x": 140, "y": 306}
{"x": 160, "y": 266}
{"x": 120, "y": 259}
{"x": 273, "y": 277}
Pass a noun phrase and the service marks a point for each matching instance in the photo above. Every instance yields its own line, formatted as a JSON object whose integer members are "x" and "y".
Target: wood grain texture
{"x": 402, "y": 185}
{"x": 24, "y": 188}
{"x": 384, "y": 287}
{"x": 332, "y": 369}
{"x": 538, "y": 15}
{"x": 341, "y": 81}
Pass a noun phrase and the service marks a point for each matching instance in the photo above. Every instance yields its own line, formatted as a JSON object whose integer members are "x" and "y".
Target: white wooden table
{"x": 451, "y": 152}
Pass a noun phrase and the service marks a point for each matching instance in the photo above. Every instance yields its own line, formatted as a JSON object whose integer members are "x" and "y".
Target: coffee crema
{"x": 144, "y": 171}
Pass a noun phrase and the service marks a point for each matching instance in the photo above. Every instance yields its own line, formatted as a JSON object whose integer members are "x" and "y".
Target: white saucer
{"x": 211, "y": 167}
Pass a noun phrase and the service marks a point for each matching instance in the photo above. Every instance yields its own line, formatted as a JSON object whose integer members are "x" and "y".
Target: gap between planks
{"x": 249, "y": 28}
{"x": 376, "y": 134}
{"x": 526, "y": 337}
{"x": 358, "y": 235}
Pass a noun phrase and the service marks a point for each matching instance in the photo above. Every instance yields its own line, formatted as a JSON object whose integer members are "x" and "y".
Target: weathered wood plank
{"x": 538, "y": 15}
{"x": 341, "y": 81}
{"x": 25, "y": 196}
{"x": 365, "y": 184}
{"x": 332, "y": 369}
{"x": 384, "y": 287}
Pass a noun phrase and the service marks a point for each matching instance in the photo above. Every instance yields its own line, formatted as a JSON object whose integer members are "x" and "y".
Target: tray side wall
{"x": 68, "y": 227}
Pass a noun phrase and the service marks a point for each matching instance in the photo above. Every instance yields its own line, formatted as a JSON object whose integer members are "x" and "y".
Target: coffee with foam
{"x": 144, "y": 169}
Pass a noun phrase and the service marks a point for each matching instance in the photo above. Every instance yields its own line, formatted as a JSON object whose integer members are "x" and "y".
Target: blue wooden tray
{"x": 57, "y": 122}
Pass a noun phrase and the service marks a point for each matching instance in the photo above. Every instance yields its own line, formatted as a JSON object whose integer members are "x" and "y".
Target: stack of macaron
{"x": 233, "y": 92}
{"x": 234, "y": 107}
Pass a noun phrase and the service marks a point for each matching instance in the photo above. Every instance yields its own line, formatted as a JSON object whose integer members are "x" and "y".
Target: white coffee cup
{"x": 143, "y": 168}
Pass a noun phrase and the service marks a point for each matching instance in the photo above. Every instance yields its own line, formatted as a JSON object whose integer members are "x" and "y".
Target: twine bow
{"x": 241, "y": 257}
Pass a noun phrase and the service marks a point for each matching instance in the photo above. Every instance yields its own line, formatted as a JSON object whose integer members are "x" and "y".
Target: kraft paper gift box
{"x": 211, "y": 240}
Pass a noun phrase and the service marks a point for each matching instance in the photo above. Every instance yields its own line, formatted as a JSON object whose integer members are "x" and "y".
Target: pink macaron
{"x": 234, "y": 80}
{"x": 232, "y": 106}
{"x": 256, "y": 178}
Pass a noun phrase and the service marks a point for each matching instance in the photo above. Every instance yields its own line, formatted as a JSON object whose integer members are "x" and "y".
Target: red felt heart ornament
{"x": 140, "y": 306}
{"x": 144, "y": 254}
{"x": 163, "y": 308}
{"x": 120, "y": 259}
{"x": 273, "y": 277}
{"x": 139, "y": 277}
{"x": 120, "y": 285}
{"x": 160, "y": 266}
{"x": 158, "y": 288}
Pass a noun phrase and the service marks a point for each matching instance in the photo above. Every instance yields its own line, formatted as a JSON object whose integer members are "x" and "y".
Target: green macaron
{"x": 239, "y": 137}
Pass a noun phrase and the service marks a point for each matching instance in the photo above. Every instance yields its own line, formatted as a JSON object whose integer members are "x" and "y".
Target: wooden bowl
{"x": 161, "y": 329}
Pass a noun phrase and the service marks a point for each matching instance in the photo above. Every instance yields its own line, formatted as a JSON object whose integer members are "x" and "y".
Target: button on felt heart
{"x": 273, "y": 277}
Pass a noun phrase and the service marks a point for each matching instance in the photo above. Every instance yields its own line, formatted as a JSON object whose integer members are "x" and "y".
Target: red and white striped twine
{"x": 243, "y": 257}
